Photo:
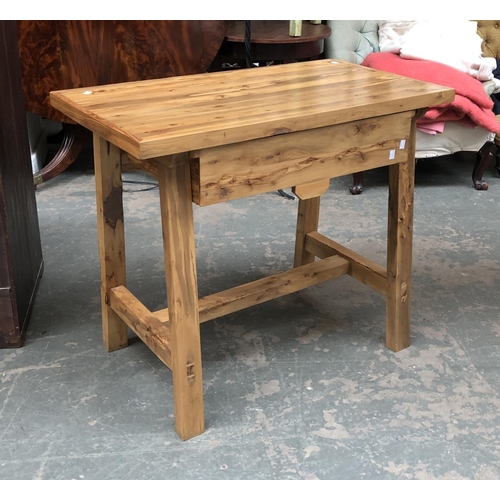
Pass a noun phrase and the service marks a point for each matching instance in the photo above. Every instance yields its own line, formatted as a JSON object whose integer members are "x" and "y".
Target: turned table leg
{"x": 110, "y": 236}
{"x": 357, "y": 183}
{"x": 182, "y": 295}
{"x": 484, "y": 158}
{"x": 74, "y": 139}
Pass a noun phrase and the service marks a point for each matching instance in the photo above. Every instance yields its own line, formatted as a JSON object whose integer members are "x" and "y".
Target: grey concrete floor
{"x": 301, "y": 387}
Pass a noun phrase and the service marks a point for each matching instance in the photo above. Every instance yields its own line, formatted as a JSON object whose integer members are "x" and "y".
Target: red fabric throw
{"x": 471, "y": 105}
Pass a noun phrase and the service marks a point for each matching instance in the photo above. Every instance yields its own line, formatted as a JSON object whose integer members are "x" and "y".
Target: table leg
{"x": 307, "y": 221}
{"x": 111, "y": 237}
{"x": 307, "y": 217}
{"x": 74, "y": 139}
{"x": 182, "y": 294}
{"x": 399, "y": 251}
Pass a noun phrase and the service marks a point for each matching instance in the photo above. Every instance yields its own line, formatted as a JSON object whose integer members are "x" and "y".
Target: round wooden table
{"x": 70, "y": 54}
{"x": 270, "y": 41}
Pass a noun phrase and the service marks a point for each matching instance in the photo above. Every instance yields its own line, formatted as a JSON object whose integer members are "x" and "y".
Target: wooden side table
{"x": 209, "y": 140}
{"x": 270, "y": 41}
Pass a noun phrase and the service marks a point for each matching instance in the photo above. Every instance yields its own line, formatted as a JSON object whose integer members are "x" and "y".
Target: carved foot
{"x": 481, "y": 185}
{"x": 72, "y": 144}
{"x": 483, "y": 160}
{"x": 357, "y": 183}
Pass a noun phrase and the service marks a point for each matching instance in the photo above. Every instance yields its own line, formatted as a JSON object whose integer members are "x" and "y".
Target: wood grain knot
{"x": 112, "y": 207}
{"x": 280, "y": 131}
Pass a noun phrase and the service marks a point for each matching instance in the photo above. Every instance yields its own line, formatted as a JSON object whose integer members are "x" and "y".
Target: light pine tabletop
{"x": 159, "y": 117}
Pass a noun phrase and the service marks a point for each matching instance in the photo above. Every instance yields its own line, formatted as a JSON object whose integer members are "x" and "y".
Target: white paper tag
{"x": 402, "y": 144}
{"x": 392, "y": 154}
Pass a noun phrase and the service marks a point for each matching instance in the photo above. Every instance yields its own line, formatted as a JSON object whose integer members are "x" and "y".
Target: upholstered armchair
{"x": 353, "y": 40}
{"x": 489, "y": 31}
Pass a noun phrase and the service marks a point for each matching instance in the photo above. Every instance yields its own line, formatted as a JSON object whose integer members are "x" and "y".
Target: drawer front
{"x": 258, "y": 166}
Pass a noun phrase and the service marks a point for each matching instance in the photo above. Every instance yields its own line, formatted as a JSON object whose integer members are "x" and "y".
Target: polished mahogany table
{"x": 271, "y": 41}
{"x": 78, "y": 53}
{"x": 303, "y": 124}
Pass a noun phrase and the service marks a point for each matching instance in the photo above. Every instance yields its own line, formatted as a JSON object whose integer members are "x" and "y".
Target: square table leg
{"x": 111, "y": 237}
{"x": 399, "y": 250}
{"x": 307, "y": 217}
{"x": 182, "y": 294}
{"x": 307, "y": 221}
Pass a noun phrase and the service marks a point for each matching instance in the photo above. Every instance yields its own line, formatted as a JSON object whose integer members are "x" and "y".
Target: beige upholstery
{"x": 489, "y": 31}
{"x": 353, "y": 40}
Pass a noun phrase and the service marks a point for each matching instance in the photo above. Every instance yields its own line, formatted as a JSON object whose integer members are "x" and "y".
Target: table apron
{"x": 235, "y": 171}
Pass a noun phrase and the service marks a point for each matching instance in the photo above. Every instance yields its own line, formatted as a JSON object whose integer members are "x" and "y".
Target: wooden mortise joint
{"x": 142, "y": 322}
{"x": 190, "y": 371}
{"x": 404, "y": 292}
{"x": 361, "y": 268}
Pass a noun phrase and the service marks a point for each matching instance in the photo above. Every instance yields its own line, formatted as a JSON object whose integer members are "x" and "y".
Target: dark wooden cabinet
{"x": 21, "y": 261}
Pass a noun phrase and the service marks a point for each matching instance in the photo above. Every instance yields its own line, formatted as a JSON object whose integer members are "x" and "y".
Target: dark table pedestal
{"x": 271, "y": 42}
{"x": 67, "y": 54}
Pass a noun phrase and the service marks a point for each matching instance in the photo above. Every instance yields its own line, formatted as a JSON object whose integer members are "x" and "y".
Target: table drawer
{"x": 237, "y": 170}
